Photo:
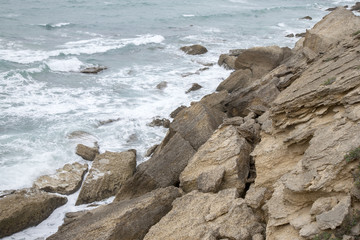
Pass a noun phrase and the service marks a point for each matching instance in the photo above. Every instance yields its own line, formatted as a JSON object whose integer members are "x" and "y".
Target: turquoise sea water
{"x": 44, "y": 44}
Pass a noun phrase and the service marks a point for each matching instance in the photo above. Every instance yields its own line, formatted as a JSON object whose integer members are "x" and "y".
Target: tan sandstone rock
{"x": 125, "y": 220}
{"x": 227, "y": 150}
{"x": 66, "y": 180}
{"x": 109, "y": 171}
{"x": 86, "y": 152}
{"x": 207, "y": 216}
{"x": 25, "y": 208}
{"x": 194, "y": 49}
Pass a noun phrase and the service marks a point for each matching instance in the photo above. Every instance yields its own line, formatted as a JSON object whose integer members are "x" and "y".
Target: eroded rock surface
{"x": 207, "y": 216}
{"x": 194, "y": 49}
{"x": 108, "y": 172}
{"x": 25, "y": 208}
{"x": 66, "y": 180}
{"x": 125, "y": 220}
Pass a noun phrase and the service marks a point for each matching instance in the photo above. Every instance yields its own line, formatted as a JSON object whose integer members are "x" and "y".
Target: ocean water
{"x": 44, "y": 98}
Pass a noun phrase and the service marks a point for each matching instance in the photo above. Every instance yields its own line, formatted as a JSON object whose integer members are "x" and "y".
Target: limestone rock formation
{"x": 108, "y": 172}
{"x": 194, "y": 87}
{"x": 66, "y": 180}
{"x": 86, "y": 152}
{"x": 239, "y": 79}
{"x": 225, "y": 151}
{"x": 25, "y": 208}
{"x": 125, "y": 220}
{"x": 207, "y": 216}
{"x": 194, "y": 49}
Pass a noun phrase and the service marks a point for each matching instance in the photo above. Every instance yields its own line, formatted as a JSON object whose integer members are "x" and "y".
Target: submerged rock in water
{"x": 108, "y": 172}
{"x": 194, "y": 49}
{"x": 162, "y": 85}
{"x": 194, "y": 87}
{"x": 66, "y": 180}
{"x": 160, "y": 122}
{"x": 127, "y": 220}
{"x": 25, "y": 208}
{"x": 93, "y": 70}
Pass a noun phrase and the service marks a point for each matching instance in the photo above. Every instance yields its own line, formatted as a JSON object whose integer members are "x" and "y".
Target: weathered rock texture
{"x": 207, "y": 216}
{"x": 227, "y": 155}
{"x": 315, "y": 122}
{"x": 108, "y": 172}
{"x": 126, "y": 220}
{"x": 86, "y": 152}
{"x": 191, "y": 128}
{"x": 66, "y": 180}
{"x": 26, "y": 208}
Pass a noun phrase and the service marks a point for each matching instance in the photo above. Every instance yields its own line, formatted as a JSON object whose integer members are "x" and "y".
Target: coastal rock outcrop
{"x": 66, "y": 180}
{"x": 108, "y": 172}
{"x": 93, "y": 70}
{"x": 194, "y": 49}
{"x": 226, "y": 154}
{"x": 208, "y": 216}
{"x": 86, "y": 152}
{"x": 125, "y": 220}
{"x": 25, "y": 208}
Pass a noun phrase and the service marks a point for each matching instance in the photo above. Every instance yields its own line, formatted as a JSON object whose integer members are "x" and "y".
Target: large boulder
{"x": 162, "y": 170}
{"x": 226, "y": 151}
{"x": 125, "y": 220}
{"x": 261, "y": 60}
{"x": 194, "y": 49}
{"x": 25, "y": 208}
{"x": 66, "y": 180}
{"x": 197, "y": 123}
{"x": 340, "y": 24}
{"x": 238, "y": 79}
{"x": 86, "y": 152}
{"x": 109, "y": 171}
{"x": 207, "y": 216}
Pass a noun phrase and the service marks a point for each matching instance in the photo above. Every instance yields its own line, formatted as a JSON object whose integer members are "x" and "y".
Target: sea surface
{"x": 47, "y": 106}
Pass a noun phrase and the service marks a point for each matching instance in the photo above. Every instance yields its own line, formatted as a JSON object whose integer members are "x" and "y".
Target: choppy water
{"x": 44, "y": 44}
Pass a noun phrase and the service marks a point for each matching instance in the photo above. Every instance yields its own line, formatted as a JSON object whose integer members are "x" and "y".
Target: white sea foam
{"x": 65, "y": 65}
{"x": 54, "y": 25}
{"x": 89, "y": 46}
{"x": 188, "y": 15}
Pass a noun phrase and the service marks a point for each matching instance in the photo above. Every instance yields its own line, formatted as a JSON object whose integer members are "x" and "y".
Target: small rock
{"x": 161, "y": 85}
{"x": 236, "y": 121}
{"x": 323, "y": 204}
{"x": 255, "y": 196}
{"x": 236, "y": 52}
{"x": 176, "y": 111}
{"x": 194, "y": 49}
{"x": 258, "y": 236}
{"x": 87, "y": 153}
{"x": 104, "y": 122}
{"x": 210, "y": 181}
{"x": 331, "y": 9}
{"x": 310, "y": 230}
{"x": 160, "y": 122}
{"x": 66, "y": 180}
{"x": 290, "y": 35}
{"x": 194, "y": 87}
{"x": 93, "y": 70}
{"x": 307, "y": 18}
{"x": 356, "y": 7}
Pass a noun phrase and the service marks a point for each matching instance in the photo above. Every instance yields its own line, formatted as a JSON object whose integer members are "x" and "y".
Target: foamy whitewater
{"x": 44, "y": 98}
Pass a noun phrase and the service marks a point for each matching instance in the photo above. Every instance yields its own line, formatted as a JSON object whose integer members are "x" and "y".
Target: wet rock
{"x": 299, "y": 35}
{"x": 161, "y": 170}
{"x": 108, "y": 172}
{"x": 129, "y": 219}
{"x": 87, "y": 153}
{"x": 162, "y": 85}
{"x": 160, "y": 122}
{"x": 66, "y": 180}
{"x": 207, "y": 216}
{"x": 83, "y": 137}
{"x": 227, "y": 150}
{"x": 105, "y": 122}
{"x": 194, "y": 49}
{"x": 356, "y": 7}
{"x": 307, "y": 18}
{"x": 93, "y": 70}
{"x": 194, "y": 87}
{"x": 25, "y": 208}
{"x": 290, "y": 35}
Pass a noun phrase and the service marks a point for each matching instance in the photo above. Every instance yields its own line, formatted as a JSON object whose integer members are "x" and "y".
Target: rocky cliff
{"x": 273, "y": 154}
